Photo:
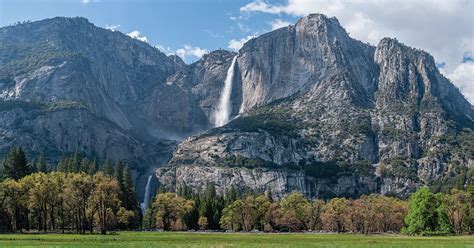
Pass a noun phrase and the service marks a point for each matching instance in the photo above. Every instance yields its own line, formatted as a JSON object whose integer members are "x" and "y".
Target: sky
{"x": 444, "y": 28}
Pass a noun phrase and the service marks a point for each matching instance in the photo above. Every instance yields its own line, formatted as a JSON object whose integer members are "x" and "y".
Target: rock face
{"x": 329, "y": 116}
{"x": 312, "y": 109}
{"x": 67, "y": 85}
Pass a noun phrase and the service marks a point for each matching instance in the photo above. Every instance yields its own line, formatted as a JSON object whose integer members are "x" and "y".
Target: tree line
{"x": 424, "y": 213}
{"x": 77, "y": 195}
{"x": 74, "y": 195}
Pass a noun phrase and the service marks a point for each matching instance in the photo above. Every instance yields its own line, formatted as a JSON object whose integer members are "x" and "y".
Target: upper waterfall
{"x": 224, "y": 109}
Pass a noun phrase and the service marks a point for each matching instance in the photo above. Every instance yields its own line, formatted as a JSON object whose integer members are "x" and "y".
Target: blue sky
{"x": 172, "y": 24}
{"x": 191, "y": 28}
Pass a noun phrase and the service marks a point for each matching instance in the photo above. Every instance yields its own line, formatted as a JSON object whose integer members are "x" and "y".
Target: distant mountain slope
{"x": 67, "y": 85}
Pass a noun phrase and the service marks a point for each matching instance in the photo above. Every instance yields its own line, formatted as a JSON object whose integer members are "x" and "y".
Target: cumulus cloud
{"x": 165, "y": 49}
{"x": 236, "y": 44}
{"x": 278, "y": 23}
{"x": 112, "y": 27}
{"x": 189, "y": 51}
{"x": 90, "y": 1}
{"x": 261, "y": 6}
{"x": 463, "y": 78}
{"x": 136, "y": 35}
{"x": 443, "y": 28}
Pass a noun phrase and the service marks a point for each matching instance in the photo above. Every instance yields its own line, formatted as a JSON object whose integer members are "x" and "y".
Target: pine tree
{"x": 42, "y": 166}
{"x": 93, "y": 168}
{"x": 130, "y": 201}
{"x": 16, "y": 165}
{"x": 107, "y": 168}
{"x": 118, "y": 171}
{"x": 2, "y": 169}
{"x": 61, "y": 167}
{"x": 34, "y": 166}
{"x": 85, "y": 165}
{"x": 231, "y": 196}
{"x": 211, "y": 207}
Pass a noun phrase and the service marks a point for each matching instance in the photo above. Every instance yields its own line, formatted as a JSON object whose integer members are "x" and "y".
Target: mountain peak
{"x": 318, "y": 20}
{"x": 392, "y": 48}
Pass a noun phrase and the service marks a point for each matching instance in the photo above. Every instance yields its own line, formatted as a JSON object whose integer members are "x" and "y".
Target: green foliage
{"x": 398, "y": 167}
{"x": 276, "y": 121}
{"x": 244, "y": 162}
{"x": 42, "y": 166}
{"x": 72, "y": 177}
{"x": 15, "y": 164}
{"x": 426, "y": 214}
{"x": 325, "y": 170}
{"x": 58, "y": 105}
{"x": 211, "y": 206}
{"x": 6, "y": 105}
{"x": 362, "y": 126}
{"x": 107, "y": 168}
{"x": 171, "y": 209}
{"x": 22, "y": 58}
{"x": 60, "y": 201}
{"x": 149, "y": 218}
{"x": 130, "y": 201}
{"x": 40, "y": 106}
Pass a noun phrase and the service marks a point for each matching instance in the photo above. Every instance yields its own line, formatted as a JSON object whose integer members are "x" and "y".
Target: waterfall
{"x": 146, "y": 197}
{"x": 225, "y": 107}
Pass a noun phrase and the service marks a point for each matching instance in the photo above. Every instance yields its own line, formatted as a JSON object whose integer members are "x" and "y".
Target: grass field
{"x": 173, "y": 239}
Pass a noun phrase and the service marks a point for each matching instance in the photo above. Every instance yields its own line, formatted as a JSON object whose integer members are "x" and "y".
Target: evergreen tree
{"x": 107, "y": 168}
{"x": 34, "y": 166}
{"x": 118, "y": 172}
{"x": 16, "y": 165}
{"x": 162, "y": 189}
{"x": 42, "y": 166}
{"x": 130, "y": 201}
{"x": 149, "y": 218}
{"x": 85, "y": 165}
{"x": 61, "y": 167}
{"x": 231, "y": 196}
{"x": 93, "y": 168}
{"x": 211, "y": 207}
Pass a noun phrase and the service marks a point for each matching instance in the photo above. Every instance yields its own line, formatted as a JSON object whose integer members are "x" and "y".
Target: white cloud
{"x": 261, "y": 6}
{"x": 237, "y": 44}
{"x": 90, "y": 1}
{"x": 189, "y": 51}
{"x": 112, "y": 27}
{"x": 278, "y": 23}
{"x": 463, "y": 78}
{"x": 443, "y": 28}
{"x": 136, "y": 35}
{"x": 165, "y": 49}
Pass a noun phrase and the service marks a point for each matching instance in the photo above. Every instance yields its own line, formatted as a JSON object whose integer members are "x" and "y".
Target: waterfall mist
{"x": 224, "y": 109}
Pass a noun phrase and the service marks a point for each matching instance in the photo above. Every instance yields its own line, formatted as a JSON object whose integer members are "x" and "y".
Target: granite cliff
{"x": 310, "y": 109}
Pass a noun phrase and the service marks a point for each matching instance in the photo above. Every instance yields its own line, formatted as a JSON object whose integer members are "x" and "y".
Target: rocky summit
{"x": 310, "y": 109}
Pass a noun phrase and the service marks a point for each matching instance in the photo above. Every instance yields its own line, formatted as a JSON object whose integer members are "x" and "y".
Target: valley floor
{"x": 182, "y": 239}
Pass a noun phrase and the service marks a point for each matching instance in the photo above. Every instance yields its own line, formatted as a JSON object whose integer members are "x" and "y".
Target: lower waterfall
{"x": 146, "y": 197}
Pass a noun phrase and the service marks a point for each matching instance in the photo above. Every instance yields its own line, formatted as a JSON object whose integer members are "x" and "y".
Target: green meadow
{"x": 183, "y": 239}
